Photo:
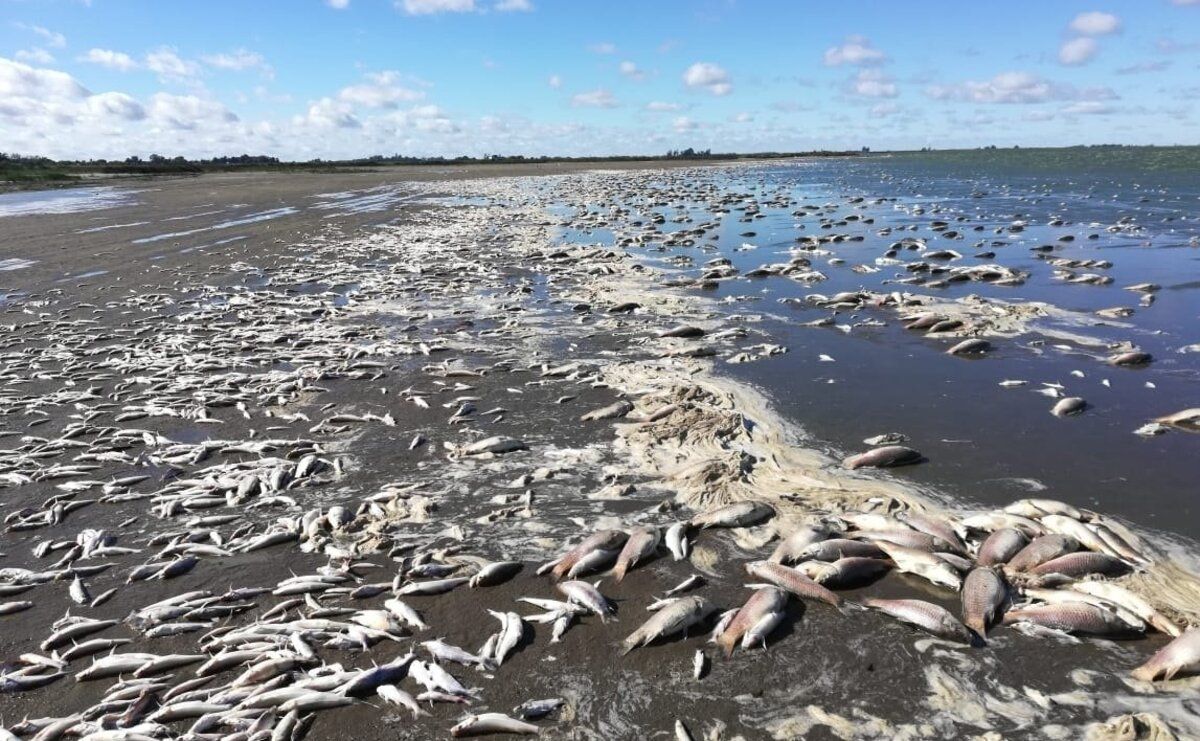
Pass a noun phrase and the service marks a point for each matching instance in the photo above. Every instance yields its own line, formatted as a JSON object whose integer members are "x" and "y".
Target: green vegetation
{"x": 1101, "y": 157}
{"x": 21, "y": 171}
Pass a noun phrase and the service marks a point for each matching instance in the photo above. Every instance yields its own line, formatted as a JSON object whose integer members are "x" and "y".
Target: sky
{"x": 302, "y": 79}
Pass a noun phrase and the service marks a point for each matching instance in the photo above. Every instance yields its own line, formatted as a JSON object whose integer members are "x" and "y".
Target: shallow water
{"x": 27, "y": 203}
{"x": 986, "y": 444}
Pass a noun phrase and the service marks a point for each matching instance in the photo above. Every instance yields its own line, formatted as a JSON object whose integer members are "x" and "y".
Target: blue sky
{"x": 339, "y": 78}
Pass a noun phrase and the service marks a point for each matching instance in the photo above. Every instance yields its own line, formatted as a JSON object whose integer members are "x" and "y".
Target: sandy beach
{"x": 373, "y": 380}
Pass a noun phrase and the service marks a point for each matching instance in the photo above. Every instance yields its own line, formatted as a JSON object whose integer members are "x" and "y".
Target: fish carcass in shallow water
{"x": 494, "y": 446}
{"x": 1180, "y": 655}
{"x": 761, "y": 605}
{"x": 603, "y": 541}
{"x": 983, "y": 593}
{"x": 889, "y": 456}
{"x": 927, "y": 616}
{"x": 738, "y": 514}
{"x": 487, "y": 723}
{"x": 678, "y": 616}
{"x": 1068, "y": 407}
{"x": 642, "y": 544}
{"x": 791, "y": 580}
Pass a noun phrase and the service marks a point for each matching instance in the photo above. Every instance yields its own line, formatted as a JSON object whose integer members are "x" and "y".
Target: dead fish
{"x": 1068, "y": 406}
{"x": 837, "y": 548}
{"x": 1001, "y": 546}
{"x": 888, "y": 456}
{"x": 1122, "y": 597}
{"x": 790, "y": 548}
{"x": 693, "y": 581}
{"x": 432, "y": 586}
{"x": 793, "y": 581}
{"x": 682, "y": 331}
{"x": 494, "y": 445}
{"x": 1042, "y": 549}
{"x": 603, "y": 540}
{"x": 1181, "y": 655}
{"x": 615, "y": 410}
{"x": 537, "y": 709}
{"x": 1071, "y": 618}
{"x": 762, "y": 603}
{"x": 393, "y": 694}
{"x": 1131, "y": 359}
{"x": 495, "y": 573}
{"x": 738, "y": 514}
{"x": 678, "y": 616}
{"x": 12, "y": 608}
{"x": 642, "y": 544}
{"x": 983, "y": 593}
{"x": 972, "y": 346}
{"x": 927, "y": 616}
{"x": 1080, "y": 564}
{"x": 488, "y": 723}
{"x": 845, "y": 573}
{"x": 677, "y": 541}
{"x": 582, "y": 593}
{"x": 699, "y": 664}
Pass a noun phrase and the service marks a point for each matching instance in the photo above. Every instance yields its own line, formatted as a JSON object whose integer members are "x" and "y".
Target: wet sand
{"x": 479, "y": 275}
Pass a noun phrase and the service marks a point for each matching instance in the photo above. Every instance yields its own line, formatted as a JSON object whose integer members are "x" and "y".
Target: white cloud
{"x": 433, "y": 7}
{"x": 188, "y": 112}
{"x": 594, "y": 99}
{"x": 1087, "y": 108}
{"x": 743, "y": 117}
{"x": 1096, "y": 23}
{"x": 1078, "y": 51}
{"x": 631, "y": 70}
{"x": 883, "y": 110}
{"x": 19, "y": 80}
{"x": 856, "y": 50}
{"x": 53, "y": 39}
{"x": 169, "y": 66}
{"x": 514, "y": 6}
{"x": 708, "y": 76}
{"x": 37, "y": 55}
{"x": 238, "y": 60}
{"x": 382, "y": 90}
{"x": 659, "y": 106}
{"x": 684, "y": 124}
{"x": 116, "y": 105}
{"x": 109, "y": 58}
{"x": 554, "y": 81}
{"x": 328, "y": 113}
{"x": 603, "y": 47}
{"x": 1014, "y": 88}
{"x": 871, "y": 83}
{"x": 338, "y": 4}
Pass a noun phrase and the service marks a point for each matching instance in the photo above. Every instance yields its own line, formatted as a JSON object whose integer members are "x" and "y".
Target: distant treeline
{"x": 18, "y": 168}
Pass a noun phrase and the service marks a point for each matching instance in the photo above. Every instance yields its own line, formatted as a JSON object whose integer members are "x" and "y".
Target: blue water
{"x": 986, "y": 444}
